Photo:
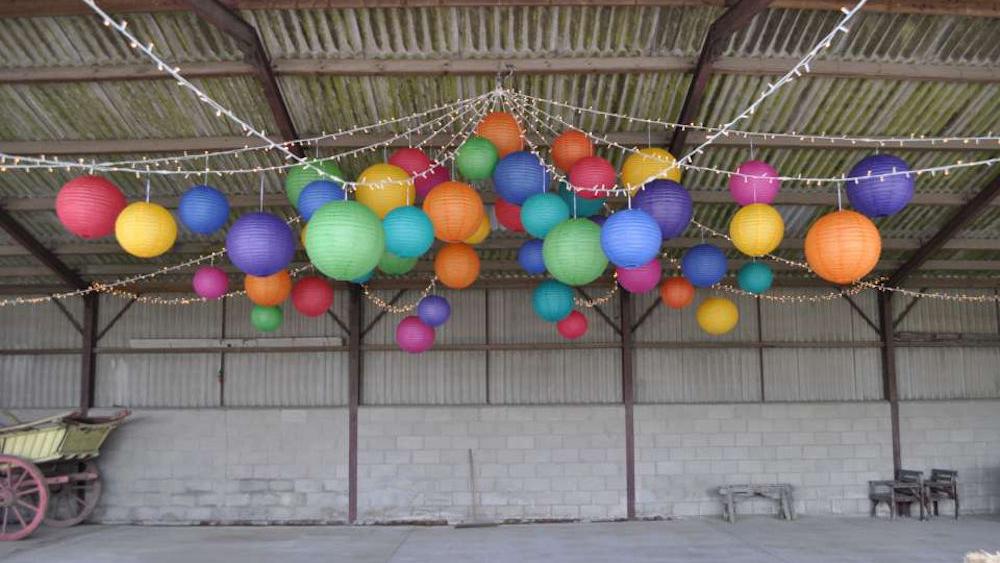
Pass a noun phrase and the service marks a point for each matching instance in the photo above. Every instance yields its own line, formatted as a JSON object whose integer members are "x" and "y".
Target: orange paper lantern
{"x": 843, "y": 247}
{"x": 268, "y": 291}
{"x": 456, "y": 265}
{"x": 676, "y": 292}
{"x": 455, "y": 209}
{"x": 570, "y": 146}
{"x": 503, "y": 130}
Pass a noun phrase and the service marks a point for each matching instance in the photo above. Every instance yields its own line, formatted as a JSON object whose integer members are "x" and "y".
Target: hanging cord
{"x": 147, "y": 188}
{"x": 261, "y": 192}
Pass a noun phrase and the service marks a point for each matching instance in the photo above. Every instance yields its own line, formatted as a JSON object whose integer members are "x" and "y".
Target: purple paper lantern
{"x": 668, "y": 203}
{"x": 529, "y": 256}
{"x": 210, "y": 282}
{"x": 260, "y": 244}
{"x": 758, "y": 183}
{"x": 641, "y": 279}
{"x": 599, "y": 219}
{"x": 874, "y": 193}
{"x": 413, "y": 336}
{"x": 434, "y": 310}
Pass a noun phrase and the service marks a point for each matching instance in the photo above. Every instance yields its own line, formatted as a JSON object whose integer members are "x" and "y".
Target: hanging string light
{"x": 393, "y": 308}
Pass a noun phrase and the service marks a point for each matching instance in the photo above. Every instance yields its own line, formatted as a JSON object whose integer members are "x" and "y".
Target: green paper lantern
{"x": 540, "y": 213}
{"x": 572, "y": 252}
{"x": 476, "y": 159}
{"x": 300, "y": 176}
{"x": 344, "y": 240}
{"x": 266, "y": 319}
{"x": 394, "y": 265}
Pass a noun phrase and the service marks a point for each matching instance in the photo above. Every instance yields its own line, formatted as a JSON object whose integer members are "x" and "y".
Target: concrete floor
{"x": 752, "y": 539}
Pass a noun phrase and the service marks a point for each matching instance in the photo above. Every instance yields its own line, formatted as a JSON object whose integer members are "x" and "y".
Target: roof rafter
{"x": 51, "y": 262}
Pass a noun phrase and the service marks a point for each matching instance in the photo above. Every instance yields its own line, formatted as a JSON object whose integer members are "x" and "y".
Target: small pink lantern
{"x": 642, "y": 279}
{"x": 426, "y": 182}
{"x": 573, "y": 326}
{"x": 210, "y": 282}
{"x": 413, "y": 336}
{"x": 755, "y": 181}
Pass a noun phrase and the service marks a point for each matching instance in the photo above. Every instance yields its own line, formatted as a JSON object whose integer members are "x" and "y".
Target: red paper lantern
{"x": 312, "y": 296}
{"x": 508, "y": 215}
{"x": 591, "y": 174}
{"x": 677, "y": 292}
{"x": 414, "y": 161}
{"x": 573, "y": 326}
{"x": 89, "y": 205}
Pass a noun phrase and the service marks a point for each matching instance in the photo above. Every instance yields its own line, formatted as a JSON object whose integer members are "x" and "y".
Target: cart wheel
{"x": 23, "y": 498}
{"x": 71, "y": 503}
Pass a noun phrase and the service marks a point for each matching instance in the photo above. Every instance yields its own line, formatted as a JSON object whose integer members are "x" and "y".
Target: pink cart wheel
{"x": 72, "y": 502}
{"x": 23, "y": 498}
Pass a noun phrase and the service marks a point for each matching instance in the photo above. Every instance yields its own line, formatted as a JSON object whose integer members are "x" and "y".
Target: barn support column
{"x": 628, "y": 399}
{"x": 890, "y": 393}
{"x": 355, "y": 313}
{"x": 88, "y": 357}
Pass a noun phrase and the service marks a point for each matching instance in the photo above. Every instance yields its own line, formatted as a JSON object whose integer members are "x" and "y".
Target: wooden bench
{"x": 780, "y": 492}
{"x": 943, "y": 485}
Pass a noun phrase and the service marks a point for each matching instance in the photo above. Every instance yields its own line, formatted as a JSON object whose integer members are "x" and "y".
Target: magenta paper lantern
{"x": 210, "y": 282}
{"x": 413, "y": 336}
{"x": 424, "y": 184}
{"x": 641, "y": 279}
{"x": 762, "y": 188}
{"x": 573, "y": 326}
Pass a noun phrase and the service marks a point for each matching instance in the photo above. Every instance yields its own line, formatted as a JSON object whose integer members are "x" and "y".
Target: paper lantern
{"x": 641, "y": 279}
{"x": 300, "y": 176}
{"x": 668, "y": 203}
{"x": 456, "y": 211}
{"x": 631, "y": 238}
{"x": 268, "y": 290}
{"x": 541, "y": 212}
{"x": 302, "y": 235}
{"x": 203, "y": 210}
{"x": 503, "y": 130}
{"x": 519, "y": 176}
{"x": 88, "y": 206}
{"x": 260, "y": 244}
{"x": 508, "y": 215}
{"x": 434, "y": 310}
{"x": 384, "y": 187}
{"x": 572, "y": 252}
{"x": 755, "y": 181}
{"x": 413, "y": 336}
{"x": 476, "y": 159}
{"x": 424, "y": 184}
{"x": 317, "y": 194}
{"x": 676, "y": 292}
{"x": 646, "y": 165}
{"x": 145, "y": 229}
{"x": 756, "y": 229}
{"x": 704, "y": 265}
{"x": 717, "y": 315}
{"x": 529, "y": 256}
{"x": 876, "y": 188}
{"x": 210, "y": 282}
{"x": 345, "y": 240}
{"x": 573, "y": 326}
{"x": 266, "y": 319}
{"x": 590, "y": 175}
{"x": 408, "y": 232}
{"x": 843, "y": 246}
{"x": 579, "y": 206}
{"x": 552, "y": 301}
{"x": 394, "y": 265}
{"x": 456, "y": 265}
{"x": 570, "y": 146}
{"x": 414, "y": 161}
{"x": 755, "y": 277}
{"x": 481, "y": 233}
{"x": 312, "y": 296}
{"x": 363, "y": 279}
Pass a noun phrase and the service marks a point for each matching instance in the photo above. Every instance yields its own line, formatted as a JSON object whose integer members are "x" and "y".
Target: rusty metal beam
{"x": 52, "y": 263}
{"x": 889, "y": 379}
{"x": 88, "y": 355}
{"x": 355, "y": 314}
{"x": 628, "y": 398}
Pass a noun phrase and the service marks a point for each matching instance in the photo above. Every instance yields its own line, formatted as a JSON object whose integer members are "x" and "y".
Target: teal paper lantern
{"x": 266, "y": 319}
{"x": 755, "y": 277}
{"x": 476, "y": 159}
{"x": 582, "y": 207}
{"x": 408, "y": 232}
{"x": 572, "y": 252}
{"x": 345, "y": 240}
{"x": 394, "y": 265}
{"x": 552, "y": 301}
{"x": 541, "y": 212}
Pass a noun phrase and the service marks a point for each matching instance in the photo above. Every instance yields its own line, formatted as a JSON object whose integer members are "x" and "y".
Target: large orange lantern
{"x": 503, "y": 130}
{"x": 570, "y": 146}
{"x": 456, "y": 265}
{"x": 842, "y": 247}
{"x": 268, "y": 291}
{"x": 456, "y": 211}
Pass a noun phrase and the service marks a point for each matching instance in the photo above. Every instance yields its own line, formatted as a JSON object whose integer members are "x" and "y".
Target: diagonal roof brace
{"x": 39, "y": 251}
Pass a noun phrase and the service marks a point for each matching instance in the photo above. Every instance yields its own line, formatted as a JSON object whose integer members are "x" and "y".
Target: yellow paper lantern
{"x": 481, "y": 233}
{"x": 648, "y": 164}
{"x": 384, "y": 187}
{"x": 145, "y": 229}
{"x": 717, "y": 315}
{"x": 756, "y": 229}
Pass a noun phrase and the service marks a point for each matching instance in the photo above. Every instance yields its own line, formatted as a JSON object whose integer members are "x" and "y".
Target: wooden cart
{"x": 47, "y": 472}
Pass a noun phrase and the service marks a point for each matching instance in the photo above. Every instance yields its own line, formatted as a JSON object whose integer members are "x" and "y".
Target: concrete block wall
{"x": 531, "y": 462}
{"x": 958, "y": 435}
{"x": 827, "y": 451}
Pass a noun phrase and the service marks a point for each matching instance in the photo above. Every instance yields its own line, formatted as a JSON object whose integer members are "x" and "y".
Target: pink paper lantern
{"x": 573, "y": 326}
{"x": 424, "y": 184}
{"x": 413, "y": 336}
{"x": 642, "y": 279}
{"x": 762, "y": 188}
{"x": 210, "y": 282}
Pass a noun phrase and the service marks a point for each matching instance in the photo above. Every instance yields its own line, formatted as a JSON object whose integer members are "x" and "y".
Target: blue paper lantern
{"x": 316, "y": 194}
{"x": 529, "y": 256}
{"x": 408, "y": 231}
{"x": 364, "y": 279}
{"x": 541, "y": 212}
{"x": 203, "y": 209}
{"x": 552, "y": 300}
{"x": 630, "y": 238}
{"x": 873, "y": 193}
{"x": 260, "y": 244}
{"x": 755, "y": 277}
{"x": 579, "y": 206}
{"x": 520, "y": 175}
{"x": 704, "y": 265}
{"x": 433, "y": 310}
{"x": 668, "y": 203}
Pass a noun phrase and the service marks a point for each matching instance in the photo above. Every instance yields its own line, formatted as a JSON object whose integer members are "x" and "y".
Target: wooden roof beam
{"x": 52, "y": 264}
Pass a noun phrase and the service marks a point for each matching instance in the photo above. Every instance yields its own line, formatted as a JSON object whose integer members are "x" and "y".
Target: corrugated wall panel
{"x": 40, "y": 326}
{"x": 431, "y": 378}
{"x": 467, "y": 324}
{"x": 286, "y": 380}
{"x": 39, "y": 381}
{"x": 822, "y": 374}
{"x": 829, "y": 320}
{"x": 938, "y": 315}
{"x": 158, "y": 380}
{"x": 199, "y": 320}
{"x": 948, "y": 373}
{"x": 695, "y": 375}
{"x": 294, "y": 325}
{"x": 555, "y": 376}
{"x": 512, "y": 319}
{"x": 672, "y": 325}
